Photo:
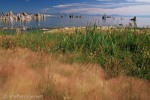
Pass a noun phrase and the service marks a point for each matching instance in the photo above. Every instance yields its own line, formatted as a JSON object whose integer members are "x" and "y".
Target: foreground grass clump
{"x": 27, "y": 73}
{"x": 118, "y": 51}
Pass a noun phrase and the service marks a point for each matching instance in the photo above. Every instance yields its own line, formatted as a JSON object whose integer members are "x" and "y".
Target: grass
{"x": 27, "y": 73}
{"x": 119, "y": 51}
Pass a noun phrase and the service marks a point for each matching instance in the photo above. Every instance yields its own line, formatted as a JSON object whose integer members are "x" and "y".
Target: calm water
{"x": 52, "y": 22}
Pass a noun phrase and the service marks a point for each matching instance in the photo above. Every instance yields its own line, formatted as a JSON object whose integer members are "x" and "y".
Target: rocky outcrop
{"x": 77, "y": 16}
{"x": 38, "y": 16}
{"x": 22, "y": 16}
{"x": 104, "y": 16}
{"x": 2, "y": 15}
{"x": 133, "y": 19}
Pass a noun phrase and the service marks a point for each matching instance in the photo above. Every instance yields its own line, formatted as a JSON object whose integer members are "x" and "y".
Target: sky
{"x": 87, "y": 7}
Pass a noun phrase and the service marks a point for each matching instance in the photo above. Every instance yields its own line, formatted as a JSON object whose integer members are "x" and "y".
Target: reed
{"x": 118, "y": 51}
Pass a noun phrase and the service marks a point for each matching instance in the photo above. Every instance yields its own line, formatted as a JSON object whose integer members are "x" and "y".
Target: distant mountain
{"x": 113, "y": 15}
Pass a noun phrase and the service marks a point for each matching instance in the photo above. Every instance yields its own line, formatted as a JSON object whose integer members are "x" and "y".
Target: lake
{"x": 55, "y": 22}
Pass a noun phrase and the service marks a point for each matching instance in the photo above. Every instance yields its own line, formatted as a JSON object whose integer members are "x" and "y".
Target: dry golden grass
{"x": 24, "y": 72}
{"x": 66, "y": 30}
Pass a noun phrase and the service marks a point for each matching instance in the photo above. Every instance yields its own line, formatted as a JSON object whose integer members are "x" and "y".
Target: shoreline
{"x": 66, "y": 28}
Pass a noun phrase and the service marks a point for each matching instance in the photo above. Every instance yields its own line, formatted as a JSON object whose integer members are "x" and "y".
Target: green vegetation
{"x": 118, "y": 51}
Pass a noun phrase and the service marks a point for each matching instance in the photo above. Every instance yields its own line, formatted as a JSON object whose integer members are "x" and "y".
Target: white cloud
{"x": 62, "y": 6}
{"x": 132, "y": 10}
{"x": 128, "y": 8}
{"x": 138, "y": 0}
{"x": 70, "y": 5}
{"x": 87, "y": 5}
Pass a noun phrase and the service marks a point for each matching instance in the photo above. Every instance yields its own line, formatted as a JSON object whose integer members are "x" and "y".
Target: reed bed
{"x": 124, "y": 51}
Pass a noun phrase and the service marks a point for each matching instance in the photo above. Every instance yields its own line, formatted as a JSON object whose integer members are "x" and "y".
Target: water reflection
{"x": 22, "y": 23}
{"x": 50, "y": 22}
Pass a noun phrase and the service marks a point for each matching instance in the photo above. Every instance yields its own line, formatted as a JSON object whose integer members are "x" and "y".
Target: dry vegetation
{"x": 89, "y": 63}
{"x": 25, "y": 72}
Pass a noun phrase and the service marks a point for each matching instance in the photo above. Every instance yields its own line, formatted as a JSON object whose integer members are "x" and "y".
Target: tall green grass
{"x": 118, "y": 51}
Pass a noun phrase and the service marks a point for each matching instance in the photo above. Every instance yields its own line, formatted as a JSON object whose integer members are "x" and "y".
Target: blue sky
{"x": 90, "y": 7}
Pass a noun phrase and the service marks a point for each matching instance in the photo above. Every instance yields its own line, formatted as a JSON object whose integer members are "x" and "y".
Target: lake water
{"x": 54, "y": 22}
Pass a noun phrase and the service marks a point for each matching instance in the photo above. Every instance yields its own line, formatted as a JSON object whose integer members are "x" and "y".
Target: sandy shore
{"x": 67, "y": 29}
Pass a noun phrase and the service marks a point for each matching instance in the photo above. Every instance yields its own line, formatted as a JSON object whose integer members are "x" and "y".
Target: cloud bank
{"x": 138, "y": 0}
{"x": 128, "y": 7}
{"x": 133, "y": 10}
